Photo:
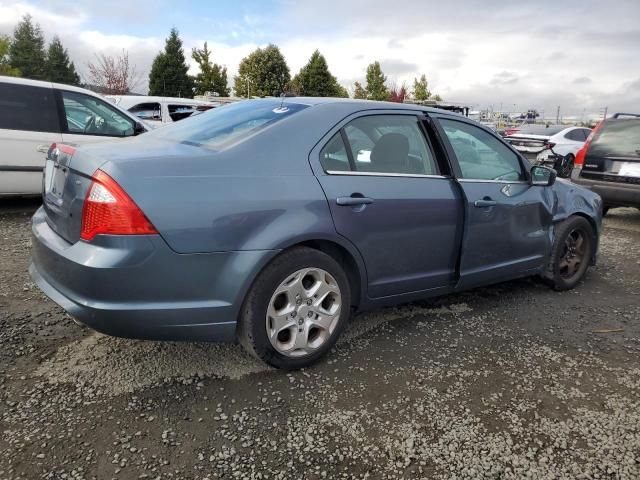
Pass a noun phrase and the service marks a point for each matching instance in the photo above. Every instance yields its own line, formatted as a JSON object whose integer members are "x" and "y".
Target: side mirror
{"x": 542, "y": 176}
{"x": 139, "y": 128}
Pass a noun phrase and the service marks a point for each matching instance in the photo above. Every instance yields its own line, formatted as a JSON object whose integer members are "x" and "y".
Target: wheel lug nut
{"x": 293, "y": 314}
{"x": 300, "y": 322}
{"x": 309, "y": 302}
{"x": 310, "y": 314}
{"x": 298, "y": 301}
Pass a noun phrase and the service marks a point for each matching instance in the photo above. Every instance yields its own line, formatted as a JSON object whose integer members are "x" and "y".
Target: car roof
{"x": 45, "y": 84}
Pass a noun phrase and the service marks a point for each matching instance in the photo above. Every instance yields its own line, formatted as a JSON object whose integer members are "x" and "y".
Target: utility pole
{"x": 558, "y": 115}
{"x": 605, "y": 112}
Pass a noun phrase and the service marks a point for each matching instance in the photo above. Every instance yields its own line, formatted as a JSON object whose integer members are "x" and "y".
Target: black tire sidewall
{"x": 564, "y": 230}
{"x": 567, "y": 166}
{"x": 256, "y": 304}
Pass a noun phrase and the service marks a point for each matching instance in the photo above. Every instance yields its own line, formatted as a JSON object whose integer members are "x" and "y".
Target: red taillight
{"x": 61, "y": 148}
{"x": 549, "y": 145}
{"x": 582, "y": 153}
{"x": 109, "y": 210}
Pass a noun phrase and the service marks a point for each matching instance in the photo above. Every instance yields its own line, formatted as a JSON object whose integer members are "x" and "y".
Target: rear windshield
{"x": 539, "y": 130}
{"x": 617, "y": 138}
{"x": 229, "y": 124}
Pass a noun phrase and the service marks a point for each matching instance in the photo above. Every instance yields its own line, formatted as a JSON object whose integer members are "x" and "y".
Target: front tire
{"x": 296, "y": 309}
{"x": 571, "y": 254}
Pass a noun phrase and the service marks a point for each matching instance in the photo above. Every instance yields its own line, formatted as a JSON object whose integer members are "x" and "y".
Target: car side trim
{"x": 20, "y": 168}
{"x": 383, "y": 174}
{"x": 471, "y": 180}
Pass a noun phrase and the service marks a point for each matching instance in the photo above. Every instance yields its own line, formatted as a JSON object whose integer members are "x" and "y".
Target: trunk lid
{"x": 529, "y": 145}
{"x": 614, "y": 153}
{"x": 64, "y": 188}
{"x": 68, "y": 173}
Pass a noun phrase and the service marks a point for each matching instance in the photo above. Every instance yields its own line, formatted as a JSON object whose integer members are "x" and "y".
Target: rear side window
{"x": 617, "y": 138}
{"x": 576, "y": 135}
{"x": 28, "y": 108}
{"x": 380, "y": 144}
{"x": 231, "y": 123}
{"x": 333, "y": 156}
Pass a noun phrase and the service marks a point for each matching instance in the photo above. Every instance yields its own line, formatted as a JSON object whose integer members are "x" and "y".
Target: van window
{"x": 179, "y": 112}
{"x": 147, "y": 111}
{"x": 88, "y": 115}
{"x": 28, "y": 108}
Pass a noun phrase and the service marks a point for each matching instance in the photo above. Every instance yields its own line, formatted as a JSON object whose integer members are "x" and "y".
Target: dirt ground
{"x": 511, "y": 381}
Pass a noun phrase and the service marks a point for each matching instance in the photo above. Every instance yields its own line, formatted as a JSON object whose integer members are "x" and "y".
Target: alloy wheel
{"x": 303, "y": 312}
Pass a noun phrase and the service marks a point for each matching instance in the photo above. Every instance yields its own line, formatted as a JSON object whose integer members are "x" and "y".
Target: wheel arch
{"x": 337, "y": 248}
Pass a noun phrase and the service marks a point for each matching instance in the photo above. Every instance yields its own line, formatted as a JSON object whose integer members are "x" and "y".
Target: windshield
{"x": 231, "y": 123}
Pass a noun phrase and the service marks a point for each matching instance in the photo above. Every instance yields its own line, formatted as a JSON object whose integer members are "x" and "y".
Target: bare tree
{"x": 113, "y": 75}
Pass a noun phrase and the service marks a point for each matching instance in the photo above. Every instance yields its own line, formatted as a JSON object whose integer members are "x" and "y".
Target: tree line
{"x": 264, "y": 72}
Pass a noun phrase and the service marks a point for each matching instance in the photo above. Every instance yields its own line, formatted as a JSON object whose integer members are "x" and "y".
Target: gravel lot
{"x": 512, "y": 381}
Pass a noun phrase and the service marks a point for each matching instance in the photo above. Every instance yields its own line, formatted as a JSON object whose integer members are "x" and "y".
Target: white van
{"x": 157, "y": 111}
{"x": 35, "y": 114}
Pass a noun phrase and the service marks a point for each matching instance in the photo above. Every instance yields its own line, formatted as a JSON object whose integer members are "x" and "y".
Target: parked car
{"x": 269, "y": 221}
{"x": 35, "y": 114}
{"x": 609, "y": 162}
{"x": 555, "y": 146}
{"x": 160, "y": 110}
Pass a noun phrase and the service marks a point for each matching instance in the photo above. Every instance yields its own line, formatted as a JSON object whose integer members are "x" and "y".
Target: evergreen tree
{"x": 59, "y": 68}
{"x": 376, "y": 83}
{"x": 5, "y": 67}
{"x": 26, "y": 52}
{"x": 264, "y": 72}
{"x": 421, "y": 88}
{"x": 341, "y": 92}
{"x": 315, "y": 79}
{"x": 168, "y": 76}
{"x": 359, "y": 91}
{"x": 212, "y": 77}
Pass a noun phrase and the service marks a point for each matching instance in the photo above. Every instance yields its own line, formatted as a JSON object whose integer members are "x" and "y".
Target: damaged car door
{"x": 508, "y": 220}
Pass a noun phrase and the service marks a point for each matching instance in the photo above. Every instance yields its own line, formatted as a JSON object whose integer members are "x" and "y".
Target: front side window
{"x": 88, "y": 115}
{"x": 481, "y": 156}
{"x": 147, "y": 111}
{"x": 28, "y": 108}
{"x": 179, "y": 112}
{"x": 389, "y": 144}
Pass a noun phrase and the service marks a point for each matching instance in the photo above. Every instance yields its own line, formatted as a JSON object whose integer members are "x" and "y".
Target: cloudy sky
{"x": 582, "y": 55}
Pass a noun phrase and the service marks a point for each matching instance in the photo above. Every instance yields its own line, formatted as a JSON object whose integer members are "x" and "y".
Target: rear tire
{"x": 571, "y": 253}
{"x": 296, "y": 309}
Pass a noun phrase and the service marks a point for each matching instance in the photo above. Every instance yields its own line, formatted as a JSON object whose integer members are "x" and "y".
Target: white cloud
{"x": 482, "y": 52}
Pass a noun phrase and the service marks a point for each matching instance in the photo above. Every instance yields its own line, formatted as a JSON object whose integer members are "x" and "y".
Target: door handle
{"x": 42, "y": 148}
{"x": 485, "y": 202}
{"x": 353, "y": 201}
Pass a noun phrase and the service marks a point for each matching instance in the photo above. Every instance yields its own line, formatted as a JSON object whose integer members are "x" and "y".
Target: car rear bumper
{"x": 613, "y": 194}
{"x": 137, "y": 287}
